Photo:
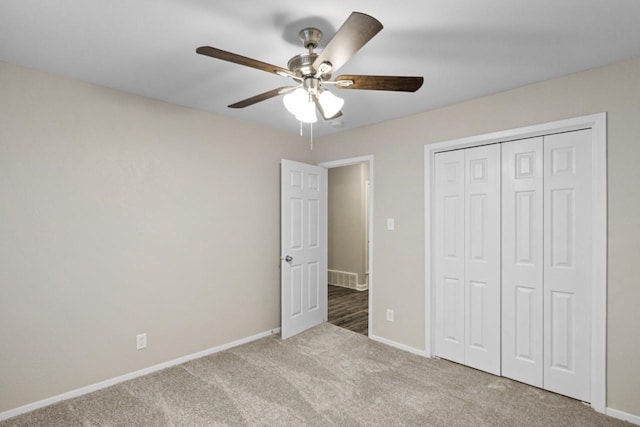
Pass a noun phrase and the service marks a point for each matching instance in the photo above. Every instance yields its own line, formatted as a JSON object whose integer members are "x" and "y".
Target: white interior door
{"x": 303, "y": 246}
{"x": 482, "y": 260}
{"x": 449, "y": 255}
{"x": 522, "y": 261}
{"x": 567, "y": 259}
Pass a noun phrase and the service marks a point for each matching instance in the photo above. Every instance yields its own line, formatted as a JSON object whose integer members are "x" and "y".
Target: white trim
{"x": 358, "y": 286}
{"x": 347, "y": 162}
{"x": 355, "y": 161}
{"x": 397, "y": 345}
{"x": 598, "y": 125}
{"x": 126, "y": 377}
{"x": 625, "y": 416}
{"x": 599, "y": 266}
{"x": 428, "y": 291}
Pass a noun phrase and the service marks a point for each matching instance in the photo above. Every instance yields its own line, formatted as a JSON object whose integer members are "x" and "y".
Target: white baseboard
{"x": 398, "y": 345}
{"x": 635, "y": 419}
{"x": 107, "y": 383}
{"x": 346, "y": 279}
{"x": 362, "y": 287}
{"x": 358, "y": 287}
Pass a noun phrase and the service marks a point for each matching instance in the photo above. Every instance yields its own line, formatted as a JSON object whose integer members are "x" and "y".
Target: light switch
{"x": 391, "y": 224}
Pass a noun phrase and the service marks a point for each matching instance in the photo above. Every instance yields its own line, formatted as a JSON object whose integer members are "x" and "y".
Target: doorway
{"x": 349, "y": 275}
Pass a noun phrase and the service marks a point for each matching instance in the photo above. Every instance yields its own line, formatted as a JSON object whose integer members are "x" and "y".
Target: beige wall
{"x": 346, "y": 220}
{"x": 398, "y": 148}
{"x": 121, "y": 215}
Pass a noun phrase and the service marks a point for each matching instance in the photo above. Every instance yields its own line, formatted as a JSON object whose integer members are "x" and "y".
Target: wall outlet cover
{"x": 141, "y": 341}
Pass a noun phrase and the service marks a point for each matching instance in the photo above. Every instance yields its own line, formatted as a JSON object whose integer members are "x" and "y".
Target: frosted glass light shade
{"x": 295, "y": 101}
{"x": 299, "y": 104}
{"x": 307, "y": 113}
{"x": 330, "y": 103}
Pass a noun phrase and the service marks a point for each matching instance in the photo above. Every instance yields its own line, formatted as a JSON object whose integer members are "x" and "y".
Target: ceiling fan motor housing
{"x": 302, "y": 64}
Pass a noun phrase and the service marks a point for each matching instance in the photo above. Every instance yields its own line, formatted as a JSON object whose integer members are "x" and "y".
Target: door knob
{"x": 288, "y": 258}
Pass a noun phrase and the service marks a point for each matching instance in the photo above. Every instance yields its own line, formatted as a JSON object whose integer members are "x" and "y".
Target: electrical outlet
{"x": 141, "y": 341}
{"x": 389, "y": 315}
{"x": 391, "y": 224}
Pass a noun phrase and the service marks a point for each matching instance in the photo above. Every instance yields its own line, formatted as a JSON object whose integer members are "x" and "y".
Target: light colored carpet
{"x": 324, "y": 376}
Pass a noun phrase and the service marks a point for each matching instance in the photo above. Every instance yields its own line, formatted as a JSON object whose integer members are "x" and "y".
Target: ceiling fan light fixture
{"x": 331, "y": 104}
{"x": 300, "y": 105}
{"x": 295, "y": 101}
{"x": 307, "y": 113}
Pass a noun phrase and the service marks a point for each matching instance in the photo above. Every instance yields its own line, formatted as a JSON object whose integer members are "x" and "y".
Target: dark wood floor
{"x": 349, "y": 309}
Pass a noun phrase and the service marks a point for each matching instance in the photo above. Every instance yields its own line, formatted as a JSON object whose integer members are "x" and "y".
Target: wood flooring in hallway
{"x": 349, "y": 309}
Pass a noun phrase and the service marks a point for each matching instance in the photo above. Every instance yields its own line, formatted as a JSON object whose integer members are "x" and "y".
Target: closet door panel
{"x": 449, "y": 255}
{"x": 482, "y": 260}
{"x": 567, "y": 258}
{"x": 522, "y": 261}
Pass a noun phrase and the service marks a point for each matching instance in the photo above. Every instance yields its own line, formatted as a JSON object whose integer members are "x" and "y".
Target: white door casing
{"x": 522, "y": 272}
{"x": 303, "y": 246}
{"x": 449, "y": 255}
{"x": 482, "y": 258}
{"x": 567, "y": 263}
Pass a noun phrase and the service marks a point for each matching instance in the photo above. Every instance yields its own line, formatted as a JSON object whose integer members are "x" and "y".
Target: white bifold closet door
{"x": 482, "y": 260}
{"x": 512, "y": 256}
{"x": 522, "y": 260}
{"x": 546, "y": 257}
{"x": 467, "y": 257}
{"x": 567, "y": 263}
{"x": 449, "y": 255}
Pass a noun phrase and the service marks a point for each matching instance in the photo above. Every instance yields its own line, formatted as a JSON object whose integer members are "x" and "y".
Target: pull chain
{"x": 310, "y": 134}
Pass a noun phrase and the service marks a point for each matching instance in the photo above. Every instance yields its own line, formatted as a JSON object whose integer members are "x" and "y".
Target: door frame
{"x": 598, "y": 125}
{"x": 348, "y": 162}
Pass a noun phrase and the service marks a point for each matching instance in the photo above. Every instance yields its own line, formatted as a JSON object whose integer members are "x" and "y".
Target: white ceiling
{"x": 463, "y": 48}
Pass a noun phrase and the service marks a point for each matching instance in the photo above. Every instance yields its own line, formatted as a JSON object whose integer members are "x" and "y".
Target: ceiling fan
{"x": 312, "y": 71}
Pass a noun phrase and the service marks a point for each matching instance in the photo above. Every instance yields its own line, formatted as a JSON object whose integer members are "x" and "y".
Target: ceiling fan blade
{"x": 262, "y": 97}
{"x": 395, "y": 83}
{"x": 356, "y": 31}
{"x": 243, "y": 60}
{"x": 321, "y": 110}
